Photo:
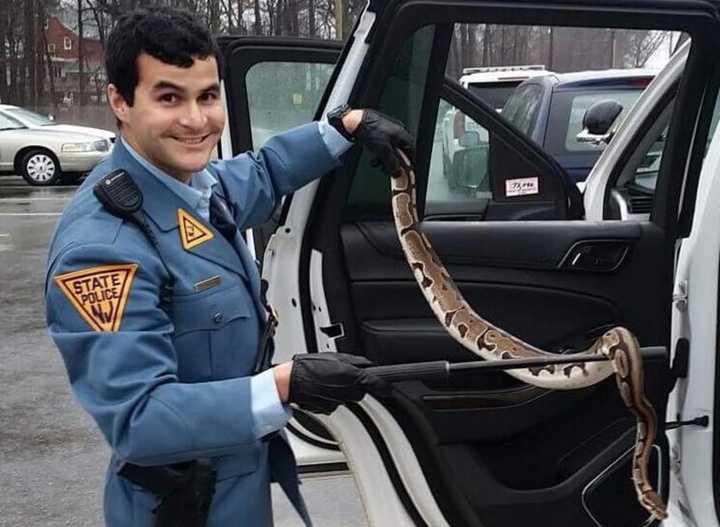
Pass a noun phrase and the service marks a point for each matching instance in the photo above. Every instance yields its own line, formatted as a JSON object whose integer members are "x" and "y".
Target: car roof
{"x": 592, "y": 78}
{"x": 7, "y": 106}
{"x": 490, "y": 74}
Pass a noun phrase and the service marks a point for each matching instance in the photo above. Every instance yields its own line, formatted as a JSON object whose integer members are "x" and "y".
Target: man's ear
{"x": 118, "y": 104}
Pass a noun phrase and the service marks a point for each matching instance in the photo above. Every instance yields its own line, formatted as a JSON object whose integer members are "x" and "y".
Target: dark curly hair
{"x": 170, "y": 35}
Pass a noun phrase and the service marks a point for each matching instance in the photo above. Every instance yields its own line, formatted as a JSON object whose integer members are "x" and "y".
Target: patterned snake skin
{"x": 492, "y": 343}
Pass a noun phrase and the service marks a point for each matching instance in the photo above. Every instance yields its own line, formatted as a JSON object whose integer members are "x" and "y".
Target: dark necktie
{"x": 221, "y": 218}
{"x": 223, "y": 221}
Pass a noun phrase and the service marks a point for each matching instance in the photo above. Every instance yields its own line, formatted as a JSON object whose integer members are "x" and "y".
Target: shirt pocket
{"x": 207, "y": 326}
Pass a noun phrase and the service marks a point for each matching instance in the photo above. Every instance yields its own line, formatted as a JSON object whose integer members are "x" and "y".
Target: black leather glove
{"x": 320, "y": 382}
{"x": 382, "y": 135}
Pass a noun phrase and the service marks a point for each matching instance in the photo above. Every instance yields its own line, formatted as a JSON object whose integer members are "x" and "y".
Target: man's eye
{"x": 209, "y": 97}
{"x": 169, "y": 97}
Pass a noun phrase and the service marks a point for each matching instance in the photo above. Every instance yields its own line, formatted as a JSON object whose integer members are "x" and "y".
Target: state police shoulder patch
{"x": 99, "y": 294}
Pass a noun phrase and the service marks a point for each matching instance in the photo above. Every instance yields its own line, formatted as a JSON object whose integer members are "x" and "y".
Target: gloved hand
{"x": 381, "y": 135}
{"x": 320, "y": 382}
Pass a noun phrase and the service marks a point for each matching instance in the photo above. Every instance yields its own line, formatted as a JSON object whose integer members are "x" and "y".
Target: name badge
{"x": 208, "y": 283}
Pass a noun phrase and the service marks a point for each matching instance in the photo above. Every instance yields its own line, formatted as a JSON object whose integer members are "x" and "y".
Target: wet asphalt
{"x": 52, "y": 457}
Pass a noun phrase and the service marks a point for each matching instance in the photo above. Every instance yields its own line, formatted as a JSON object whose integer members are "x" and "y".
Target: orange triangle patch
{"x": 192, "y": 232}
{"x": 99, "y": 293}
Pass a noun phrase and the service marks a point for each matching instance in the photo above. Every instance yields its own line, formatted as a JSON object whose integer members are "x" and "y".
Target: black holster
{"x": 184, "y": 490}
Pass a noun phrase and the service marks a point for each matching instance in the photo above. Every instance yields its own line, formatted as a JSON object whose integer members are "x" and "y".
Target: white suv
{"x": 492, "y": 85}
{"x": 483, "y": 449}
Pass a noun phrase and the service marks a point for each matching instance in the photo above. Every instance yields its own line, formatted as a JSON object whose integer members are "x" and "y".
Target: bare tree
{"x": 641, "y": 45}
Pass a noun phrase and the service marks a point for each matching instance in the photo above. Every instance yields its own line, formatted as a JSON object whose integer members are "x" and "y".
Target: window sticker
{"x": 522, "y": 187}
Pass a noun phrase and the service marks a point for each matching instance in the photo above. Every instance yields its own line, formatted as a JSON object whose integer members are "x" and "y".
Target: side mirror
{"x": 598, "y": 120}
{"x": 469, "y": 139}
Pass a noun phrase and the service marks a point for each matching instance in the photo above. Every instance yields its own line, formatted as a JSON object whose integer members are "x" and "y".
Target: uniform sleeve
{"x": 269, "y": 414}
{"x": 255, "y": 183}
{"x": 336, "y": 144}
{"x": 105, "y": 316}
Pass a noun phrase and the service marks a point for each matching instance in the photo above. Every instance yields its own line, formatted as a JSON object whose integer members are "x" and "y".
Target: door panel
{"x": 518, "y": 443}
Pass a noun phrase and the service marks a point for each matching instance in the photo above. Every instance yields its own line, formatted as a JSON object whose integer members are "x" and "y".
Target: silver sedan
{"x": 42, "y": 151}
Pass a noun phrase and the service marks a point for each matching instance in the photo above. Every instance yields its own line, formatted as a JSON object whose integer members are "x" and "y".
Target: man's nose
{"x": 193, "y": 116}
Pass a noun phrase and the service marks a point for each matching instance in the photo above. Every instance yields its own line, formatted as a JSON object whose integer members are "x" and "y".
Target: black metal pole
{"x": 441, "y": 370}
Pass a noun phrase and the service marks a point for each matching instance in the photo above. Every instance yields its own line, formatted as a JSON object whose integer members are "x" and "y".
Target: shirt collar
{"x": 200, "y": 186}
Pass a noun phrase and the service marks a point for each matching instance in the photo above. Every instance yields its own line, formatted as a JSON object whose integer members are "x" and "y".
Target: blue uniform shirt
{"x": 166, "y": 372}
{"x": 268, "y": 412}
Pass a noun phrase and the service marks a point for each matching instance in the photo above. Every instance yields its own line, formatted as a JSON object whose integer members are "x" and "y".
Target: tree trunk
{"x": 279, "y": 8}
{"x": 340, "y": 11}
{"x": 311, "y": 18}
{"x": 551, "y": 49}
{"x": 258, "y": 20}
{"x": 214, "y": 16}
{"x": 50, "y": 72}
{"x": 486, "y": 45}
{"x": 4, "y": 63}
{"x": 81, "y": 55}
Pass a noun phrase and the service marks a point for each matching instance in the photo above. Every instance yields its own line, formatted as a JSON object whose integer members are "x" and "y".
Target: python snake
{"x": 481, "y": 337}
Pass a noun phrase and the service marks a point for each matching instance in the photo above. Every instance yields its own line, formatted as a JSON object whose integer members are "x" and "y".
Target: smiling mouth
{"x": 192, "y": 140}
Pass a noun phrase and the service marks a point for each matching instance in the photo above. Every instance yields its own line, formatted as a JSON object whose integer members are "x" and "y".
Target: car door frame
{"x": 316, "y": 452}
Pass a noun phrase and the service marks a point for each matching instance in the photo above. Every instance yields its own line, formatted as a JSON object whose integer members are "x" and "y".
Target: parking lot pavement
{"x": 52, "y": 458}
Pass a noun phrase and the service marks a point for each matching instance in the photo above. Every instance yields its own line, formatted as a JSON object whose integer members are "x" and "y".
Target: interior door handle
{"x": 596, "y": 255}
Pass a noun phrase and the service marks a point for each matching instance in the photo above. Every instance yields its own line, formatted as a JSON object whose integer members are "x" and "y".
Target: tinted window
{"x": 402, "y": 98}
{"x": 522, "y": 108}
{"x": 567, "y": 109}
{"x": 493, "y": 94}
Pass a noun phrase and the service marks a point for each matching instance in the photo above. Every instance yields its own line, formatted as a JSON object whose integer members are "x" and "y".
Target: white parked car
{"x": 43, "y": 152}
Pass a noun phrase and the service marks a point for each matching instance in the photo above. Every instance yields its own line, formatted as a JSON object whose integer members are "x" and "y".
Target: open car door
{"x": 486, "y": 450}
{"x": 272, "y": 85}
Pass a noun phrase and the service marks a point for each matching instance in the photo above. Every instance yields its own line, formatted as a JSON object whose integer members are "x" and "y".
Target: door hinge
{"x": 702, "y": 421}
{"x": 680, "y": 298}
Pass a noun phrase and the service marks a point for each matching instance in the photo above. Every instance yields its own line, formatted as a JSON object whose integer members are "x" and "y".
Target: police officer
{"x": 158, "y": 315}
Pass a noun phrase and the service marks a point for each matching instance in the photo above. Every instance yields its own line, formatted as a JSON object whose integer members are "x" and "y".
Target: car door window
{"x": 459, "y": 163}
{"x": 282, "y": 95}
{"x": 463, "y": 177}
{"x": 402, "y": 98}
{"x": 8, "y": 123}
{"x": 273, "y": 86}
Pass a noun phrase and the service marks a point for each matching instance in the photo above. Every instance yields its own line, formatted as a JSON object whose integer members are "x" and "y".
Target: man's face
{"x": 176, "y": 118}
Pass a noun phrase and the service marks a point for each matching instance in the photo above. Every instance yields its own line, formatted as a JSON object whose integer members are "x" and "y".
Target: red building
{"x": 64, "y": 50}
